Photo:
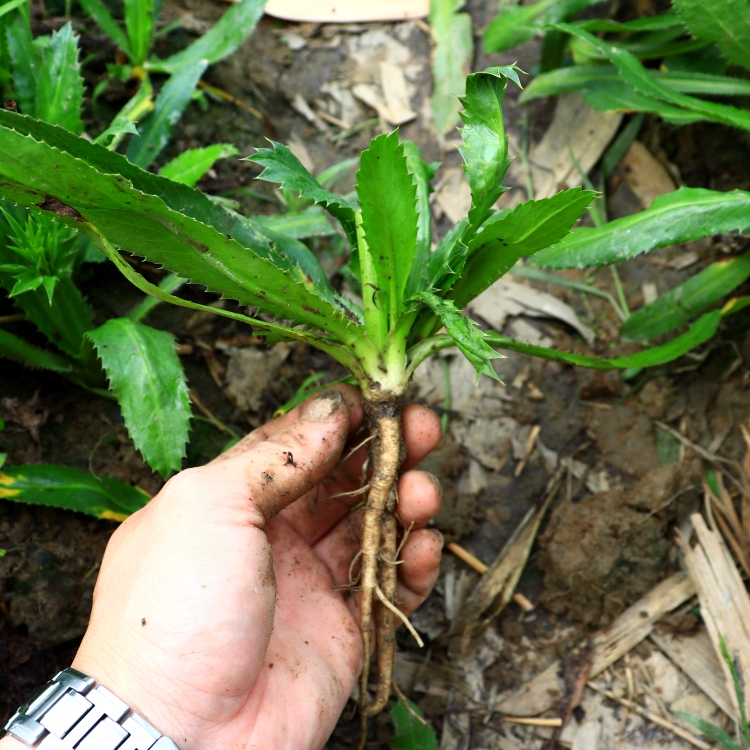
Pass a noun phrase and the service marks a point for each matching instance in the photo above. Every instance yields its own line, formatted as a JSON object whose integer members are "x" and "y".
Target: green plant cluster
{"x": 665, "y": 65}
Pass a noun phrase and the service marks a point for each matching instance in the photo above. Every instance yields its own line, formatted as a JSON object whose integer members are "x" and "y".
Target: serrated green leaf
{"x": 146, "y": 225}
{"x": 681, "y": 304}
{"x": 177, "y": 196}
{"x": 140, "y": 22}
{"x": 97, "y": 10}
{"x": 423, "y": 173}
{"x": 311, "y": 222}
{"x": 485, "y": 149}
{"x": 26, "y": 59}
{"x": 409, "y": 732}
{"x": 169, "y": 105}
{"x": 224, "y": 38}
{"x": 192, "y": 164}
{"x": 388, "y": 200}
{"x": 71, "y": 489}
{"x": 518, "y": 23}
{"x": 59, "y": 82}
{"x": 469, "y": 339}
{"x": 149, "y": 383}
{"x": 685, "y": 215}
{"x": 299, "y": 261}
{"x": 282, "y": 167}
{"x": 578, "y": 77}
{"x": 15, "y": 348}
{"x": 699, "y": 332}
{"x": 726, "y": 22}
{"x": 525, "y": 230}
{"x": 638, "y": 77}
{"x": 452, "y": 56}
{"x": 619, "y": 96}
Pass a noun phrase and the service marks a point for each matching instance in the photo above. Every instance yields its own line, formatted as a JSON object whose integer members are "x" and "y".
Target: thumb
{"x": 278, "y": 471}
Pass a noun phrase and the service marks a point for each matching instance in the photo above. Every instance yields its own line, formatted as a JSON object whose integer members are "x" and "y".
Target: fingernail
{"x": 321, "y": 408}
{"x": 439, "y": 535}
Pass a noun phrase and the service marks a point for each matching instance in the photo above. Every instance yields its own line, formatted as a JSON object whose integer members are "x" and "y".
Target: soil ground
{"x": 628, "y": 484}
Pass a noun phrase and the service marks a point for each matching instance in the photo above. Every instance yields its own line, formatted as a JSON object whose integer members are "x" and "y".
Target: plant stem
{"x": 620, "y": 292}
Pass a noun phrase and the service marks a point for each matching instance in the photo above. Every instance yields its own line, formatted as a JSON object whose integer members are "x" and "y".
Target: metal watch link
{"x": 70, "y": 712}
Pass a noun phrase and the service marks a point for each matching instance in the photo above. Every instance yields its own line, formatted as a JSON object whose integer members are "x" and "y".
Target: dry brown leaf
{"x": 645, "y": 174}
{"x": 575, "y": 127}
{"x": 725, "y": 605}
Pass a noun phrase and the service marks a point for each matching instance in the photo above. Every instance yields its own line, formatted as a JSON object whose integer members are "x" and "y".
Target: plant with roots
{"x": 411, "y": 296}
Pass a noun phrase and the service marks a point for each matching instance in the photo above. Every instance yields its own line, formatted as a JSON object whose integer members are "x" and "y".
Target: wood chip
{"x": 694, "y": 654}
{"x": 474, "y": 562}
{"x": 725, "y": 606}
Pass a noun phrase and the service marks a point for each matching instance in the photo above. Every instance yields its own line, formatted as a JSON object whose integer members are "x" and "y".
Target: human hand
{"x": 189, "y": 626}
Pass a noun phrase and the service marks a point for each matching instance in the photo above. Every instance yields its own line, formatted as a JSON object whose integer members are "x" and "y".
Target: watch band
{"x": 70, "y": 712}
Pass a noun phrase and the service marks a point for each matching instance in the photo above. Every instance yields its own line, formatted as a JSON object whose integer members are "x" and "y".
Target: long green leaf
{"x": 26, "y": 59}
{"x": 282, "y": 167}
{"x": 60, "y": 84}
{"x": 619, "y": 96}
{"x": 714, "y": 733}
{"x": 451, "y": 59}
{"x": 485, "y": 149}
{"x": 71, "y": 191}
{"x": 577, "y": 77}
{"x": 423, "y": 174}
{"x": 71, "y": 489}
{"x": 472, "y": 342}
{"x": 192, "y": 164}
{"x": 311, "y": 222}
{"x": 698, "y": 333}
{"x": 648, "y": 23}
{"x": 518, "y": 23}
{"x": 527, "y": 229}
{"x": 684, "y": 215}
{"x": 15, "y": 348}
{"x": 169, "y": 105}
{"x": 98, "y": 11}
{"x": 231, "y": 30}
{"x": 10, "y": 5}
{"x": 149, "y": 383}
{"x": 638, "y": 77}
{"x": 681, "y": 304}
{"x": 388, "y": 199}
{"x": 177, "y": 196}
{"x": 409, "y": 732}
{"x": 140, "y": 22}
{"x": 726, "y": 22}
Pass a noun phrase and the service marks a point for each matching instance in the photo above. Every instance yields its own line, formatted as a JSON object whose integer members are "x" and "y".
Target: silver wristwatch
{"x": 70, "y": 712}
